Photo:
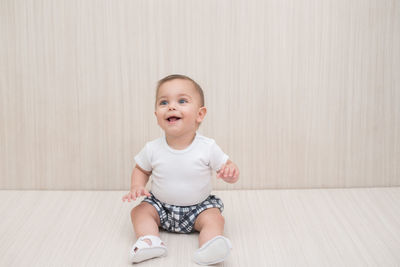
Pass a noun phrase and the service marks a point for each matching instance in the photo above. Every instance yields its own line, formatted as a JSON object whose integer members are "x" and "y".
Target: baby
{"x": 181, "y": 164}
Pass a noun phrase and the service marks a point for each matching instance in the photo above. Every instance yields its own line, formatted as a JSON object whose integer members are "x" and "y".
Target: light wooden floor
{"x": 329, "y": 227}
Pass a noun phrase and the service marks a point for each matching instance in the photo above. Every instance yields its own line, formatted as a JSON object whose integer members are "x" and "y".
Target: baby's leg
{"x": 210, "y": 223}
{"x": 145, "y": 220}
{"x": 214, "y": 247}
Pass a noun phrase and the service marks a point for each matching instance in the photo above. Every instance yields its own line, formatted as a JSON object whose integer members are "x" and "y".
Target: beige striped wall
{"x": 299, "y": 93}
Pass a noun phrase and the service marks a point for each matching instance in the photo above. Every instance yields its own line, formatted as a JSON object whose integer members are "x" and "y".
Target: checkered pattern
{"x": 181, "y": 219}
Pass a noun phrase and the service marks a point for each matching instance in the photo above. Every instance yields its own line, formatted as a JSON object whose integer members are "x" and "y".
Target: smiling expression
{"x": 178, "y": 109}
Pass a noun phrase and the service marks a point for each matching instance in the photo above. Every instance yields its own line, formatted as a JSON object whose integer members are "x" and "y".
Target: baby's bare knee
{"x": 139, "y": 210}
{"x": 134, "y": 211}
{"x": 144, "y": 211}
{"x": 209, "y": 219}
{"x": 219, "y": 219}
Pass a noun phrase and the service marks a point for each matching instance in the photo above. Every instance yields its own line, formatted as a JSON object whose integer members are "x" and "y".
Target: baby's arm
{"x": 229, "y": 172}
{"x": 139, "y": 180}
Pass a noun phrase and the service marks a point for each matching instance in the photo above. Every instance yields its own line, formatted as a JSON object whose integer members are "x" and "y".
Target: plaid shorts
{"x": 181, "y": 219}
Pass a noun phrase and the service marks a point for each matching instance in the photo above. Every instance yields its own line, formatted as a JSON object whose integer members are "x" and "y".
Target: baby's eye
{"x": 181, "y": 101}
{"x": 164, "y": 102}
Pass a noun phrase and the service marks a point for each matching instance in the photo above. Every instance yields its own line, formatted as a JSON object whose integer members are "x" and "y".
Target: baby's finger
{"x": 146, "y": 193}
{"x": 143, "y": 192}
{"x": 226, "y": 171}
{"x": 237, "y": 173}
{"x": 221, "y": 171}
{"x": 231, "y": 172}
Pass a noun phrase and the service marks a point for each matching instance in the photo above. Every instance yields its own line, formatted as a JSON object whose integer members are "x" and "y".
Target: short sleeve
{"x": 143, "y": 159}
{"x": 217, "y": 157}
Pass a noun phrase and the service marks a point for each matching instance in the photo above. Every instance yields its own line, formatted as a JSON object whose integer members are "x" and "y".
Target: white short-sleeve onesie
{"x": 181, "y": 177}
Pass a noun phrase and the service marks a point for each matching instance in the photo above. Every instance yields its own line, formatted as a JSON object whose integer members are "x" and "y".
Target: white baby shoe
{"x": 141, "y": 250}
{"x": 213, "y": 251}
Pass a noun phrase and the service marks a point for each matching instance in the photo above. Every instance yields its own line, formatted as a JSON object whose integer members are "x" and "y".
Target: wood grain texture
{"x": 300, "y": 94}
{"x": 314, "y": 227}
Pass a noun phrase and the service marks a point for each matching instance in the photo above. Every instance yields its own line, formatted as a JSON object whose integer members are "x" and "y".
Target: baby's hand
{"x": 136, "y": 192}
{"x": 229, "y": 172}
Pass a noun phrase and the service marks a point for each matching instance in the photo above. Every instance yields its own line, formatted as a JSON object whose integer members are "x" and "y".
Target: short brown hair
{"x": 182, "y": 77}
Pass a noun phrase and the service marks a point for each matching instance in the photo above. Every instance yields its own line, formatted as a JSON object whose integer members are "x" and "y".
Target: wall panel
{"x": 300, "y": 94}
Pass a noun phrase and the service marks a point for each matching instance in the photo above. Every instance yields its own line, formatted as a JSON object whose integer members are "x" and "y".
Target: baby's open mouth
{"x": 173, "y": 118}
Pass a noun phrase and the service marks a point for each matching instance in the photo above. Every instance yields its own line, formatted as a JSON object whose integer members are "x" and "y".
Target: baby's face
{"x": 178, "y": 108}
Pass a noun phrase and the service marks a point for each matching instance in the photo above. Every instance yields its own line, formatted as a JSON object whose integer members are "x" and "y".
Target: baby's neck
{"x": 180, "y": 142}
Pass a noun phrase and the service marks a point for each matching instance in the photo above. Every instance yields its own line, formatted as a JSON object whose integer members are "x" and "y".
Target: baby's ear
{"x": 202, "y": 113}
